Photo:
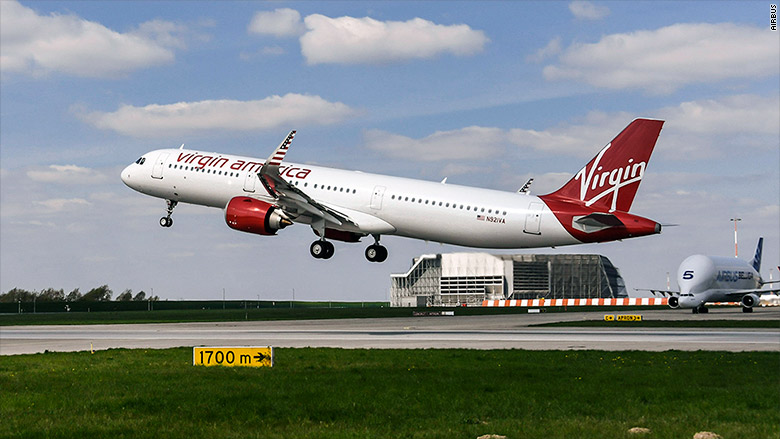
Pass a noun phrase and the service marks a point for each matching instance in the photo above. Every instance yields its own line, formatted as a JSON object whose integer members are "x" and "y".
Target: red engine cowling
{"x": 254, "y": 216}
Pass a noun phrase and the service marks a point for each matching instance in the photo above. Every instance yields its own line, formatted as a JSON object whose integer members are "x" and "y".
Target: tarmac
{"x": 515, "y": 331}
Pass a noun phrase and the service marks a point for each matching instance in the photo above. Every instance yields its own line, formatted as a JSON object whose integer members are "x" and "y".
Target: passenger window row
{"x": 329, "y": 188}
{"x": 205, "y": 170}
{"x": 446, "y": 204}
{"x": 236, "y": 174}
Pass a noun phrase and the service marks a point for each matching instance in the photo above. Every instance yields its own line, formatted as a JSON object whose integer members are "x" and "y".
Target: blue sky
{"x": 484, "y": 93}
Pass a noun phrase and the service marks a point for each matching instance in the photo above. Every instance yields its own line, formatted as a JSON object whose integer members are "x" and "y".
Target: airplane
{"x": 704, "y": 279}
{"x": 263, "y": 197}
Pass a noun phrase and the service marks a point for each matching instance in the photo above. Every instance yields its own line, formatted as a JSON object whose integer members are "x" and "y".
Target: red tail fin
{"x": 610, "y": 180}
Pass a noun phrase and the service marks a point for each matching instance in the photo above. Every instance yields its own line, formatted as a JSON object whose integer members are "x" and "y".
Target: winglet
{"x": 526, "y": 189}
{"x": 271, "y": 166}
{"x": 276, "y": 158}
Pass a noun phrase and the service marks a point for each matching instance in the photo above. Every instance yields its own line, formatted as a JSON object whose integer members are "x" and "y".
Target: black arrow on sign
{"x": 260, "y": 357}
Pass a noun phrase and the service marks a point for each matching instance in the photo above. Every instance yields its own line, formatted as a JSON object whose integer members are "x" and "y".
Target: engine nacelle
{"x": 750, "y": 300}
{"x": 673, "y": 302}
{"x": 254, "y": 216}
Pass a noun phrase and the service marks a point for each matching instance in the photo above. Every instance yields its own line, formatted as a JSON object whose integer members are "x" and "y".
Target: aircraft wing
{"x": 661, "y": 292}
{"x": 289, "y": 197}
{"x": 739, "y": 293}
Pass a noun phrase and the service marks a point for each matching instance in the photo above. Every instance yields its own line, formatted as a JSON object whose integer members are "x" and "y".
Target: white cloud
{"x": 282, "y": 22}
{"x": 164, "y": 33}
{"x": 466, "y": 143}
{"x": 67, "y": 174}
{"x": 583, "y": 139}
{"x": 187, "y": 117}
{"x": 732, "y": 114}
{"x": 348, "y": 40}
{"x": 551, "y": 49}
{"x": 61, "y": 204}
{"x": 711, "y": 128}
{"x": 38, "y": 44}
{"x": 693, "y": 130}
{"x": 668, "y": 58}
{"x": 584, "y": 10}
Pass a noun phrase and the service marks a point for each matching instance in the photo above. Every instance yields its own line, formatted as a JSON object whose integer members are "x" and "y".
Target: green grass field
{"x": 332, "y": 393}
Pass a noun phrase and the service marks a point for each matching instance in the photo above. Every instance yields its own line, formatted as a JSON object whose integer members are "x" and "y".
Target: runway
{"x": 470, "y": 332}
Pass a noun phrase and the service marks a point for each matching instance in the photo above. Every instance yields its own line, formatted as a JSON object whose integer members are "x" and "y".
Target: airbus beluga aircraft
{"x": 704, "y": 279}
{"x": 263, "y": 197}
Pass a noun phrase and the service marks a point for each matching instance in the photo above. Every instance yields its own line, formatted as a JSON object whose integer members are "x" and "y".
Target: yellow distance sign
{"x": 255, "y": 356}
{"x": 623, "y": 318}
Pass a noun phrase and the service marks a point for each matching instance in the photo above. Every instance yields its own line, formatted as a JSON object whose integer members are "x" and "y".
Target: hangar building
{"x": 456, "y": 279}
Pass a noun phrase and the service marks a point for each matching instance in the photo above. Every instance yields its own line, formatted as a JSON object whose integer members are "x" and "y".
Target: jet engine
{"x": 750, "y": 300}
{"x": 674, "y": 302}
{"x": 254, "y": 216}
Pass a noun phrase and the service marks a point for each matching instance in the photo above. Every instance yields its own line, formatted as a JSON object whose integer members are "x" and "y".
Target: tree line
{"x": 98, "y": 294}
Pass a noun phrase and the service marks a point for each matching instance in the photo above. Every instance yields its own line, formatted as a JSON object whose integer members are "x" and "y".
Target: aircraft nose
{"x": 125, "y": 176}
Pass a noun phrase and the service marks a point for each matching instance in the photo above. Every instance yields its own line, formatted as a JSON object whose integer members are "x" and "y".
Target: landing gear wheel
{"x": 746, "y": 309}
{"x": 376, "y": 253}
{"x": 322, "y": 249}
{"x": 329, "y": 250}
{"x": 167, "y": 221}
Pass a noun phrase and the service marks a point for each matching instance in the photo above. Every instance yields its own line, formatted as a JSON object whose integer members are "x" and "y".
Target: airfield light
{"x": 736, "y": 250}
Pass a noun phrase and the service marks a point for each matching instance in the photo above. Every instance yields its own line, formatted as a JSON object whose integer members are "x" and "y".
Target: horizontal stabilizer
{"x": 595, "y": 222}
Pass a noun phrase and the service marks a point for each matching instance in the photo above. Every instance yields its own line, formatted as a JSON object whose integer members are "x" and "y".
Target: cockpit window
{"x": 140, "y": 161}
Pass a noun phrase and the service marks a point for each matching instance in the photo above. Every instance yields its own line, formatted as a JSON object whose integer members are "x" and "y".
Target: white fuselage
{"x": 704, "y": 279}
{"x": 378, "y": 204}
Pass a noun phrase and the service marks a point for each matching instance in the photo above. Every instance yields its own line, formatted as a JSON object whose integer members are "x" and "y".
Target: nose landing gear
{"x": 167, "y": 221}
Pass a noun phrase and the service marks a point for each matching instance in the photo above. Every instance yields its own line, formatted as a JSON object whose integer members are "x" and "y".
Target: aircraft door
{"x": 157, "y": 170}
{"x": 533, "y": 219}
{"x": 376, "y": 197}
{"x": 249, "y": 182}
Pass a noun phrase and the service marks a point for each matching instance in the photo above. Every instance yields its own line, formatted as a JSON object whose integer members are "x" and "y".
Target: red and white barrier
{"x": 636, "y": 301}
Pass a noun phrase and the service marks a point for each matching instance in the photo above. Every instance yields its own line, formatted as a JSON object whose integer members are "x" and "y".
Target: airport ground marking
{"x": 623, "y": 318}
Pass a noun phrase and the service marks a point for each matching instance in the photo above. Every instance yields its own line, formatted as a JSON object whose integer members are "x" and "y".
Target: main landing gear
{"x": 322, "y": 249}
{"x": 167, "y": 221}
{"x": 700, "y": 310}
{"x": 376, "y": 252}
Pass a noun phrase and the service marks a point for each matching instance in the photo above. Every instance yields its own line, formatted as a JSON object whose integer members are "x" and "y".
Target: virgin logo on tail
{"x": 595, "y": 179}
{"x": 610, "y": 180}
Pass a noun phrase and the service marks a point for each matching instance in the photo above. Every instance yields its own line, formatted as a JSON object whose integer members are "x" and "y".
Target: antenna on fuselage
{"x": 182, "y": 146}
